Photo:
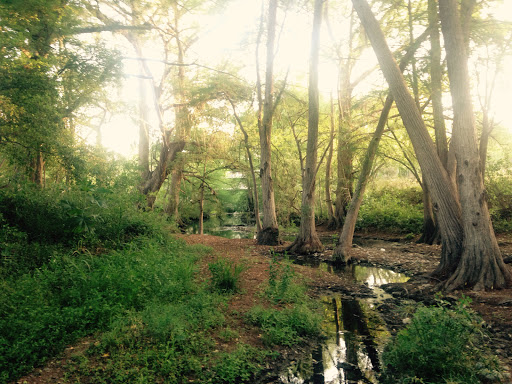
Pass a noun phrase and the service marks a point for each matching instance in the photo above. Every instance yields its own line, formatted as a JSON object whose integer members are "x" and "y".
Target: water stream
{"x": 354, "y": 335}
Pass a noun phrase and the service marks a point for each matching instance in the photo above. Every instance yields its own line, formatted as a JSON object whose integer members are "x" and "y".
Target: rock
{"x": 505, "y": 302}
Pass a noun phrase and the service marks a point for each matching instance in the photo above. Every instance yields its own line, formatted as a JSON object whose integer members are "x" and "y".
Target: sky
{"x": 225, "y": 34}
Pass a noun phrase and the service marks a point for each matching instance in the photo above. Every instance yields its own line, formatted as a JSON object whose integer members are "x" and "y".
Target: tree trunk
{"x": 429, "y": 232}
{"x": 308, "y": 242}
{"x": 143, "y": 159}
{"x": 481, "y": 265}
{"x": 269, "y": 234}
{"x": 436, "y": 81}
{"x": 251, "y": 168}
{"x": 342, "y": 251}
{"x": 331, "y": 222}
{"x": 38, "y": 169}
{"x": 173, "y": 202}
{"x": 341, "y": 254}
{"x": 443, "y": 194}
{"x": 344, "y": 147}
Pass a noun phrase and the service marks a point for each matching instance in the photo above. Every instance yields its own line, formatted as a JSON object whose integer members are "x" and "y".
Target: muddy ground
{"x": 416, "y": 260}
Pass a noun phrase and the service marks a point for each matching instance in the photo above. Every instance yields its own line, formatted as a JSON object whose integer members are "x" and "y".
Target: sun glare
{"x": 231, "y": 36}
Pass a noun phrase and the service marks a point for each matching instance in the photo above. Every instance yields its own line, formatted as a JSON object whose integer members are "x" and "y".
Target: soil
{"x": 416, "y": 260}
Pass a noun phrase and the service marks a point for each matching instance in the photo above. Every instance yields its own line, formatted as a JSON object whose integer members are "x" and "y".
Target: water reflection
{"x": 354, "y": 331}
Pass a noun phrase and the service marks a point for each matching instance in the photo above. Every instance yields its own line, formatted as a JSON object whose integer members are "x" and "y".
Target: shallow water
{"x": 354, "y": 335}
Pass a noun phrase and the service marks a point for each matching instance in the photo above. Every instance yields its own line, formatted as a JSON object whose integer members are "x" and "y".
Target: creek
{"x": 355, "y": 333}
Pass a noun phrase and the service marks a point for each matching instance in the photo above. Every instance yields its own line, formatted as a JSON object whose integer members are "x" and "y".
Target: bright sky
{"x": 225, "y": 35}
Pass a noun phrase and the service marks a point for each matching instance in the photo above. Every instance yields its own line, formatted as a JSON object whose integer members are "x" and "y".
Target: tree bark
{"x": 308, "y": 242}
{"x": 152, "y": 185}
{"x": 481, "y": 264}
{"x": 443, "y": 194}
{"x": 269, "y": 234}
{"x": 436, "y": 81}
{"x": 344, "y": 137}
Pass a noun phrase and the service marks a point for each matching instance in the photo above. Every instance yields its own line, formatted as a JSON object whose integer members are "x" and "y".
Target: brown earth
{"x": 417, "y": 260}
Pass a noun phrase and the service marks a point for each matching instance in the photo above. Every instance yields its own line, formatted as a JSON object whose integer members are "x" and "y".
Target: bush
{"x": 225, "y": 276}
{"x": 239, "y": 366}
{"x": 440, "y": 345}
{"x": 392, "y": 210}
{"x": 281, "y": 286}
{"x": 75, "y": 295}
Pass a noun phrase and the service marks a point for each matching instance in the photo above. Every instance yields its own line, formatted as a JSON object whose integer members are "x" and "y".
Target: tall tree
{"x": 442, "y": 190}
{"x": 307, "y": 241}
{"x": 46, "y": 76}
{"x": 342, "y": 251}
{"x": 481, "y": 264}
{"x": 269, "y": 234}
{"x": 464, "y": 262}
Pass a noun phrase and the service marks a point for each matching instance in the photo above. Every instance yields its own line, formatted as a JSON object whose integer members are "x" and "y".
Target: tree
{"x": 269, "y": 234}
{"x": 341, "y": 253}
{"x": 481, "y": 265}
{"x": 459, "y": 252}
{"x": 307, "y": 241}
{"x": 47, "y": 75}
{"x": 443, "y": 191}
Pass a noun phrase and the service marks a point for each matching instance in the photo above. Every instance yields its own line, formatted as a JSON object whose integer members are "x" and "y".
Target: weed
{"x": 288, "y": 326}
{"x": 225, "y": 275}
{"x": 281, "y": 286}
{"x": 239, "y": 366}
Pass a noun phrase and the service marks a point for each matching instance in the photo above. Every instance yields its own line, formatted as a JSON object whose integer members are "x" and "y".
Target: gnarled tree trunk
{"x": 481, "y": 265}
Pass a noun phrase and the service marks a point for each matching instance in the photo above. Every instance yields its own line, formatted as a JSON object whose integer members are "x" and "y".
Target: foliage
{"x": 499, "y": 196}
{"x": 392, "y": 210}
{"x": 239, "y": 366}
{"x": 225, "y": 275}
{"x": 75, "y": 295}
{"x": 281, "y": 285}
{"x": 440, "y": 345}
{"x": 288, "y": 326}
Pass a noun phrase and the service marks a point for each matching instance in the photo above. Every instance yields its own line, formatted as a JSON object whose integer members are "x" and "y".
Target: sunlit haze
{"x": 226, "y": 37}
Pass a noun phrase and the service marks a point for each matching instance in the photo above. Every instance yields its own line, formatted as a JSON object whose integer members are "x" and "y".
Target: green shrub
{"x": 225, "y": 275}
{"x": 281, "y": 286}
{"x": 440, "y": 345}
{"x": 392, "y": 210}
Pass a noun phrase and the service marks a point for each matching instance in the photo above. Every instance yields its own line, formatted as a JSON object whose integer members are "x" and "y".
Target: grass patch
{"x": 76, "y": 295}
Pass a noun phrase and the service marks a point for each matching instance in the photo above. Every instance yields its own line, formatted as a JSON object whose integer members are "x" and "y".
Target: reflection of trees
{"x": 356, "y": 323}
{"x": 377, "y": 276}
{"x": 318, "y": 365}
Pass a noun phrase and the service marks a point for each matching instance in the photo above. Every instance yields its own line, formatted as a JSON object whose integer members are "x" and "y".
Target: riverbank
{"x": 416, "y": 260}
